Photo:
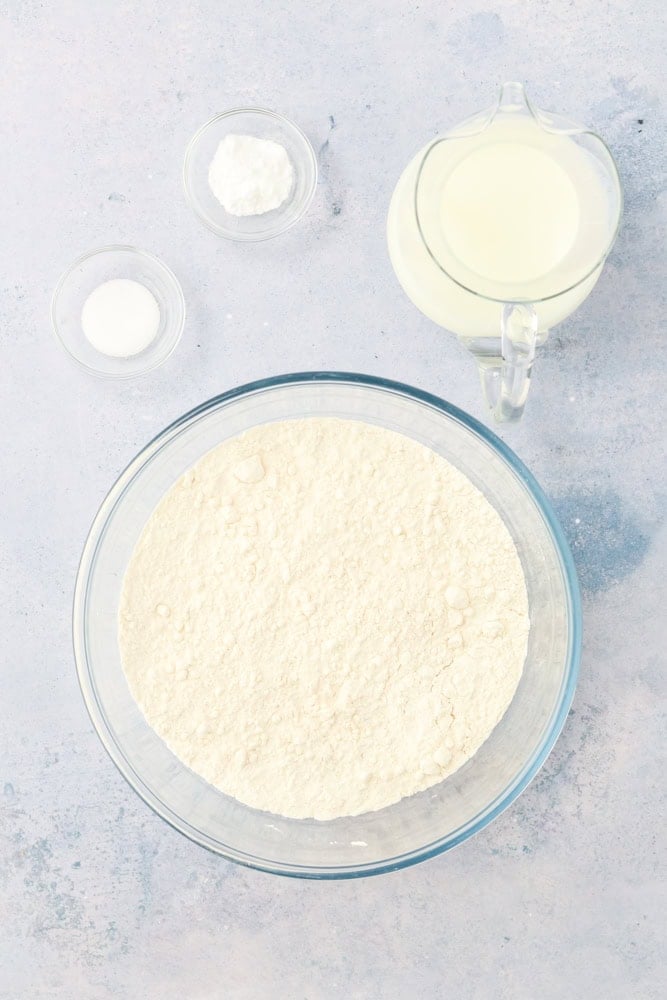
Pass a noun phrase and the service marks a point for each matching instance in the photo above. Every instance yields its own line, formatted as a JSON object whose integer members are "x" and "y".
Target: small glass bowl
{"x": 105, "y": 264}
{"x": 263, "y": 125}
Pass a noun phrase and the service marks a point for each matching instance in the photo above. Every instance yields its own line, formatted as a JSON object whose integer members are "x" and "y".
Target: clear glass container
{"x": 447, "y": 262}
{"x": 106, "y": 264}
{"x": 417, "y": 827}
{"x": 261, "y": 124}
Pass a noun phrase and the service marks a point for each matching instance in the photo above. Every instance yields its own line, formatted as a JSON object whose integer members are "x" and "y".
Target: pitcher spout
{"x": 513, "y": 98}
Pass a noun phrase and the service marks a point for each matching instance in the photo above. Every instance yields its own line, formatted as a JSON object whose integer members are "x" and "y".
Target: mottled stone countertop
{"x": 561, "y": 896}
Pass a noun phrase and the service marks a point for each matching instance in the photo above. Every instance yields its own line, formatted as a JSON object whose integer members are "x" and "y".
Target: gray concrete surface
{"x": 559, "y": 898}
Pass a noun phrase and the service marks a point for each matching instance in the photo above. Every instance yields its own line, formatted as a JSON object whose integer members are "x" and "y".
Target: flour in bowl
{"x": 322, "y": 617}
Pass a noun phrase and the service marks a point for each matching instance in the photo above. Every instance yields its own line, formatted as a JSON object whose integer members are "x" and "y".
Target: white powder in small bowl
{"x": 250, "y": 176}
{"x": 120, "y": 318}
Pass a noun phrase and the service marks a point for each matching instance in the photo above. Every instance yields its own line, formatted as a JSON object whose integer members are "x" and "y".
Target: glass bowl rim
{"x": 132, "y": 250}
{"x": 504, "y": 798}
{"x": 207, "y": 220}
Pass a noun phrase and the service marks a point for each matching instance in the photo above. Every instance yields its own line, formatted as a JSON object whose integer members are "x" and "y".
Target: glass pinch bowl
{"x": 102, "y": 265}
{"x": 417, "y": 827}
{"x": 261, "y": 124}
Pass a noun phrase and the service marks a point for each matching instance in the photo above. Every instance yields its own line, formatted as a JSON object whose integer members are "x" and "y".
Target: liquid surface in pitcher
{"x": 508, "y": 210}
{"x": 513, "y": 213}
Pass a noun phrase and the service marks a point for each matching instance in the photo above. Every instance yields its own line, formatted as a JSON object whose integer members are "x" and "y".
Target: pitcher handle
{"x": 506, "y": 380}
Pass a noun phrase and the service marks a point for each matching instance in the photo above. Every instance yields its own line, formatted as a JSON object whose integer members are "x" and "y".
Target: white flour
{"x": 250, "y": 176}
{"x": 322, "y": 617}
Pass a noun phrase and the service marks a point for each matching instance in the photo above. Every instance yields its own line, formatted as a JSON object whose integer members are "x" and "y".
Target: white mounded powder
{"x": 322, "y": 617}
{"x": 120, "y": 318}
{"x": 250, "y": 176}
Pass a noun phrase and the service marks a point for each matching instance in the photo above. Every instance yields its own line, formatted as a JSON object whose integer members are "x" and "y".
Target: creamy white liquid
{"x": 510, "y": 212}
{"x": 513, "y": 212}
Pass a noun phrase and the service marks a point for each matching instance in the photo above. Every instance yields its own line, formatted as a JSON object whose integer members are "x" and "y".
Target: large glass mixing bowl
{"x": 417, "y": 827}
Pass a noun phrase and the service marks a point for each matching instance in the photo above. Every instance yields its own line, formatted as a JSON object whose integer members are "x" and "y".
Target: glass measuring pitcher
{"x": 500, "y": 229}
